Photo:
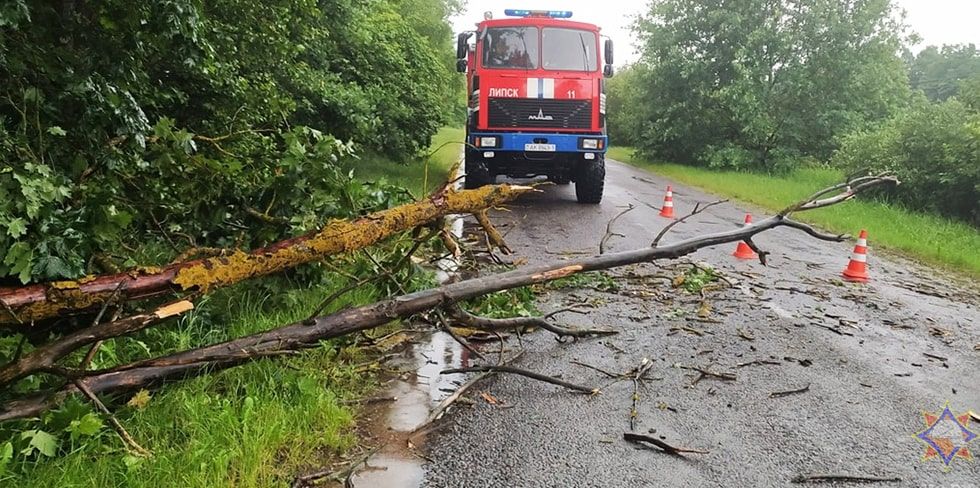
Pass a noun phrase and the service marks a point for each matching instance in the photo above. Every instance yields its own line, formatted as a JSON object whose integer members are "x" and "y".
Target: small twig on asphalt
{"x": 933, "y": 356}
{"x": 835, "y": 330}
{"x": 697, "y": 209}
{"x": 744, "y": 334}
{"x": 447, "y": 402}
{"x": 833, "y": 478}
{"x": 669, "y": 449}
{"x": 689, "y": 330}
{"x": 609, "y": 233}
{"x": 777, "y": 394}
{"x": 596, "y": 368}
{"x": 525, "y": 373}
{"x": 517, "y": 323}
{"x": 758, "y": 362}
{"x": 644, "y": 366}
{"x": 707, "y": 373}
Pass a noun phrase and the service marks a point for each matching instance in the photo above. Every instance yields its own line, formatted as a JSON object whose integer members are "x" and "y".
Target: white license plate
{"x": 540, "y": 147}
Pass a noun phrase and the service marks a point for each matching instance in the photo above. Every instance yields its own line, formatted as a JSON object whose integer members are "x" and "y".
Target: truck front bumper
{"x": 539, "y": 143}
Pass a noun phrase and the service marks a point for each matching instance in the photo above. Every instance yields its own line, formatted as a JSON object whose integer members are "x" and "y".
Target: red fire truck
{"x": 537, "y": 103}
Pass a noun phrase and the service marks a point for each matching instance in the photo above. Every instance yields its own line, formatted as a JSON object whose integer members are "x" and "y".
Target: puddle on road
{"x": 418, "y": 393}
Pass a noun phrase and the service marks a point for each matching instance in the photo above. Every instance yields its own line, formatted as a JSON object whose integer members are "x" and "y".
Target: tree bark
{"x": 309, "y": 334}
{"x": 21, "y": 306}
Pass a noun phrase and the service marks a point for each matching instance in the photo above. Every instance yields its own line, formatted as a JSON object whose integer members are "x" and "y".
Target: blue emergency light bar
{"x": 555, "y": 14}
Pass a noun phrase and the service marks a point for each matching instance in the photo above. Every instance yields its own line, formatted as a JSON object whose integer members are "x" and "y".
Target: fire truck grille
{"x": 540, "y": 112}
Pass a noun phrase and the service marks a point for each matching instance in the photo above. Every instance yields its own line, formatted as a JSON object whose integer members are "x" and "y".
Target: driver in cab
{"x": 502, "y": 55}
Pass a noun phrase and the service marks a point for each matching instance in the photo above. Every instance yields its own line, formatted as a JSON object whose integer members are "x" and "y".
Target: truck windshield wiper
{"x": 585, "y": 53}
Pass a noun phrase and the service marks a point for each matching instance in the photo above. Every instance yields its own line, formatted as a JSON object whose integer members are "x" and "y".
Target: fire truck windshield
{"x": 511, "y": 48}
{"x": 561, "y": 49}
{"x": 568, "y": 50}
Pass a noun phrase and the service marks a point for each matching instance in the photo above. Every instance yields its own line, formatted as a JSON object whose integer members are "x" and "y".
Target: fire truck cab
{"x": 537, "y": 103}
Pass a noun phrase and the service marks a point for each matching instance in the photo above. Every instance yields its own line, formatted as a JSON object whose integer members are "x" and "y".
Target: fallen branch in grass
{"x": 45, "y": 357}
{"x": 669, "y": 449}
{"x": 290, "y": 338}
{"x": 24, "y": 305}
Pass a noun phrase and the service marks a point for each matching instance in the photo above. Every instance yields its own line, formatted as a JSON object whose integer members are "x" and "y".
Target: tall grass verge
{"x": 931, "y": 238}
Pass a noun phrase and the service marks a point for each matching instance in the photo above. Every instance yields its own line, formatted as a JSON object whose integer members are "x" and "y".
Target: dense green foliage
{"x": 131, "y": 131}
{"x": 773, "y": 86}
{"x": 760, "y": 84}
{"x": 934, "y": 148}
{"x": 187, "y": 121}
{"x": 939, "y": 71}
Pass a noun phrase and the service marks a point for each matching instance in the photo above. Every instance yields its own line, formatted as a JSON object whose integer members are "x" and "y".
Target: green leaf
{"x": 88, "y": 425}
{"x": 6, "y": 454}
{"x": 41, "y": 441}
{"x": 56, "y": 131}
{"x": 16, "y": 227}
{"x": 19, "y": 260}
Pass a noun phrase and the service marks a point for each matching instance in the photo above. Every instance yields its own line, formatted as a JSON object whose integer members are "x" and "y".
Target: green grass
{"x": 927, "y": 237}
{"x": 420, "y": 176}
{"x": 251, "y": 426}
{"x": 256, "y": 425}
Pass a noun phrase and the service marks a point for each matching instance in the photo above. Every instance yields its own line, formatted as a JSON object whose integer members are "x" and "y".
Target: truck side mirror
{"x": 609, "y": 51}
{"x": 608, "y": 71}
{"x": 461, "y": 65}
{"x": 462, "y": 44}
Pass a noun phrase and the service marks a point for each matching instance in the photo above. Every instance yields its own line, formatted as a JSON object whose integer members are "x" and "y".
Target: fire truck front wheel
{"x": 590, "y": 179}
{"x": 477, "y": 175}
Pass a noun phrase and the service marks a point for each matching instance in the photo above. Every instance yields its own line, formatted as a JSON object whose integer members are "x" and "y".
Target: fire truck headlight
{"x": 488, "y": 142}
{"x": 590, "y": 143}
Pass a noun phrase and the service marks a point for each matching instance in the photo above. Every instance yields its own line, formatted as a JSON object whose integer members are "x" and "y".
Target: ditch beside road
{"x": 870, "y": 359}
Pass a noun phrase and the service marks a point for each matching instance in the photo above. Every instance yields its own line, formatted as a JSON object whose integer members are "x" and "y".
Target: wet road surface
{"x": 873, "y": 357}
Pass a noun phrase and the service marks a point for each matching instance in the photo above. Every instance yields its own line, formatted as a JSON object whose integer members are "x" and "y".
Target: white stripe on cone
{"x": 862, "y": 242}
{"x": 668, "y": 203}
{"x": 861, "y": 258}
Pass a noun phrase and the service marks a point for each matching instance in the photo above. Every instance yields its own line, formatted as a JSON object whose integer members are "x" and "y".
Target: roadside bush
{"x": 934, "y": 149}
{"x": 194, "y": 123}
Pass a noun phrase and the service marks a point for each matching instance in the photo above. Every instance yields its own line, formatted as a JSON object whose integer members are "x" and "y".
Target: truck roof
{"x": 536, "y": 21}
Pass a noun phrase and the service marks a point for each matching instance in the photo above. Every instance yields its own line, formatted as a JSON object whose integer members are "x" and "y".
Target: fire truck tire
{"x": 477, "y": 175}
{"x": 590, "y": 180}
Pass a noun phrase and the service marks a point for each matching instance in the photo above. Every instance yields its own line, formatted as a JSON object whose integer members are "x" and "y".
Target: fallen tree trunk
{"x": 20, "y": 306}
{"x": 308, "y": 334}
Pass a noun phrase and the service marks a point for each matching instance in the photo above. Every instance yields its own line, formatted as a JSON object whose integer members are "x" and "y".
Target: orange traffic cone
{"x": 743, "y": 251}
{"x": 668, "y": 209}
{"x": 856, "y": 269}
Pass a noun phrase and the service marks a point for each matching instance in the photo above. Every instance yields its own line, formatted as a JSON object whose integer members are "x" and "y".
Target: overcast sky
{"x": 936, "y": 21}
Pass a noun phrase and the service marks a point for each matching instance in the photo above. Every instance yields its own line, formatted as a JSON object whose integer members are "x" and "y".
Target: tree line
{"x": 771, "y": 86}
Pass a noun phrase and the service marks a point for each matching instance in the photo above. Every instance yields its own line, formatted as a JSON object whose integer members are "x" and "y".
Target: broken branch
{"x": 525, "y": 373}
{"x": 669, "y": 449}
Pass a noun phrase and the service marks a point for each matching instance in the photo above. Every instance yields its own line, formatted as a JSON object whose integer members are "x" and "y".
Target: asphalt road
{"x": 896, "y": 352}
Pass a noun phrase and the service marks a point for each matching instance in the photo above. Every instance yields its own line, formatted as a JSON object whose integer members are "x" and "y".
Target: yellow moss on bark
{"x": 340, "y": 236}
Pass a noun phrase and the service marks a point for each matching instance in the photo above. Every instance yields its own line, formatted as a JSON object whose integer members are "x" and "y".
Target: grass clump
{"x": 420, "y": 176}
{"x": 931, "y": 238}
